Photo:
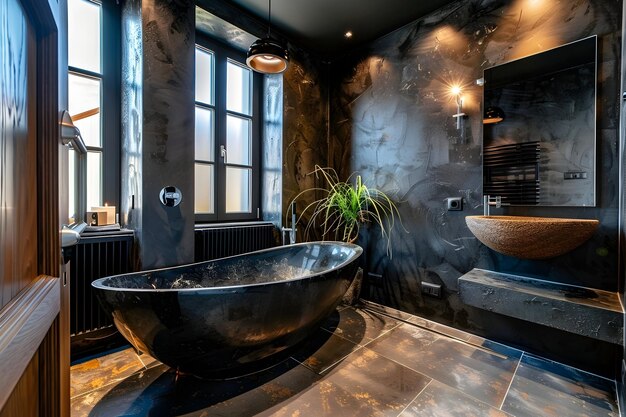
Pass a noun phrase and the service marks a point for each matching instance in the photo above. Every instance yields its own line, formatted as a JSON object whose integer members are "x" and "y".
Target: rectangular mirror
{"x": 539, "y": 131}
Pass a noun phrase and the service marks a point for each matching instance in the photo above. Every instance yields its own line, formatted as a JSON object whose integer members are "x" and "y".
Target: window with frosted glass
{"x": 205, "y": 187}
{"x": 226, "y": 136}
{"x": 205, "y": 134}
{"x": 71, "y": 168}
{"x": 83, "y": 35}
{"x": 238, "y": 190}
{"x": 238, "y": 138}
{"x": 238, "y": 88}
{"x": 204, "y": 76}
{"x": 238, "y": 131}
{"x": 85, "y": 98}
{"x": 94, "y": 179}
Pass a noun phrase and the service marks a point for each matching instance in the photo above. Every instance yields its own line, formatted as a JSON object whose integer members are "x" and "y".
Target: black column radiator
{"x": 91, "y": 329}
{"x": 217, "y": 241}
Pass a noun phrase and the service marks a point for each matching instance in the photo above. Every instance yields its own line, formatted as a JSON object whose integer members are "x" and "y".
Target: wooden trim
{"x": 25, "y": 321}
{"x": 50, "y": 371}
{"x": 48, "y": 145}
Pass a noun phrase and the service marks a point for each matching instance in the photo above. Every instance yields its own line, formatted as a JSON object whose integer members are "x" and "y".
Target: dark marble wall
{"x": 305, "y": 132}
{"x": 391, "y": 120}
{"x": 158, "y": 110}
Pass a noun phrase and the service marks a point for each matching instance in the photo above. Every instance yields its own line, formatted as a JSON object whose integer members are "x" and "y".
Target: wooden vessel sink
{"x": 531, "y": 237}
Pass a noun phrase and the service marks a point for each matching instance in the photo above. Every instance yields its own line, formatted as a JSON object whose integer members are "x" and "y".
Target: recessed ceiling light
{"x": 347, "y": 35}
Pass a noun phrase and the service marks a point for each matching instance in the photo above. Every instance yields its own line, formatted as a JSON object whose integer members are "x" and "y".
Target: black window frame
{"x": 222, "y": 53}
{"x": 110, "y": 122}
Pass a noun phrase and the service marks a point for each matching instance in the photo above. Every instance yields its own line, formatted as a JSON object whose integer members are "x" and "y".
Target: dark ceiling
{"x": 319, "y": 25}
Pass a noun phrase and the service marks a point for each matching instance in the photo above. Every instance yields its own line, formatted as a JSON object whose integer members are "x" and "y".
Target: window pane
{"x": 204, "y": 189}
{"x": 94, "y": 179}
{"x": 204, "y": 76}
{"x": 238, "y": 140}
{"x": 84, "y": 34}
{"x": 238, "y": 190}
{"x": 205, "y": 134}
{"x": 84, "y": 96}
{"x": 238, "y": 88}
{"x": 71, "y": 173}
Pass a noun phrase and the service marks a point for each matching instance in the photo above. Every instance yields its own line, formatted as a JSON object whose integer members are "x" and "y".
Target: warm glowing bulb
{"x": 348, "y": 34}
{"x": 456, "y": 90}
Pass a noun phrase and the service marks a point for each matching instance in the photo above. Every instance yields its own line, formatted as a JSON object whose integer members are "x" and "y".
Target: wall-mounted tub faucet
{"x": 292, "y": 230}
{"x": 495, "y": 201}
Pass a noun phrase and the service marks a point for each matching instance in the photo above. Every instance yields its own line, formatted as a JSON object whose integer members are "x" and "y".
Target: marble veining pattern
{"x": 305, "y": 128}
{"x": 370, "y": 378}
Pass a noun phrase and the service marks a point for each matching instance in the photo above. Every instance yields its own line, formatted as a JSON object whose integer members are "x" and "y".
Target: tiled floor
{"x": 368, "y": 361}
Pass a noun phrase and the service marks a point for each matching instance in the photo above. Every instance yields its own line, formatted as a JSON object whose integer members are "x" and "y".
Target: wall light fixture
{"x": 456, "y": 93}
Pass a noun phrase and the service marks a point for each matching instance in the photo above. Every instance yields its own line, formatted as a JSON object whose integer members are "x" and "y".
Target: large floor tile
{"x": 439, "y": 400}
{"x": 325, "y": 399}
{"x": 362, "y": 364}
{"x": 360, "y": 326}
{"x": 384, "y": 384}
{"x": 323, "y": 351}
{"x": 545, "y": 388}
{"x": 479, "y": 372}
{"x": 96, "y": 373}
{"x": 121, "y": 399}
{"x": 159, "y": 392}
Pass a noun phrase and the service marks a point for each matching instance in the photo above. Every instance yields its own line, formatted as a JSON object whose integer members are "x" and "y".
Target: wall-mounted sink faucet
{"x": 495, "y": 201}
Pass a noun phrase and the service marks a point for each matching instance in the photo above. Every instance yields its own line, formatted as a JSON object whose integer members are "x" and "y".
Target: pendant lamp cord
{"x": 269, "y": 19}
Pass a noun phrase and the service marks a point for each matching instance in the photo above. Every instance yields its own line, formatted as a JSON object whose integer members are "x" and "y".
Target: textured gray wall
{"x": 158, "y": 128}
{"x": 391, "y": 120}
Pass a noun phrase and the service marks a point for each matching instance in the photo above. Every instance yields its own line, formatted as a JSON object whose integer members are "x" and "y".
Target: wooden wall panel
{"x": 18, "y": 151}
{"x": 31, "y": 336}
{"x": 27, "y": 387}
{"x": 24, "y": 323}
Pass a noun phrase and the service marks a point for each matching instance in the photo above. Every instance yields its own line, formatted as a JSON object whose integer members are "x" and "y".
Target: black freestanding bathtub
{"x": 221, "y": 317}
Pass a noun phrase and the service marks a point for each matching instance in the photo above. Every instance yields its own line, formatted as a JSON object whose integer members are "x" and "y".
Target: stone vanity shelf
{"x": 588, "y": 312}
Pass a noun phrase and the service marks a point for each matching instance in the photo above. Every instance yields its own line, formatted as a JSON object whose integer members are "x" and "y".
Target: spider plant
{"x": 345, "y": 206}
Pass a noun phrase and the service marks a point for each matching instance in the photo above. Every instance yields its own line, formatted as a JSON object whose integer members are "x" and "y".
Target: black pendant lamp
{"x": 267, "y": 55}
